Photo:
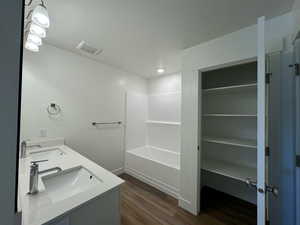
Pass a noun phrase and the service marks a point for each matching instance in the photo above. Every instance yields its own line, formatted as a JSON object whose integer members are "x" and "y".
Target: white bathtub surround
{"x": 153, "y": 134}
{"x": 43, "y": 207}
{"x": 154, "y": 166}
{"x": 165, "y": 84}
{"x": 164, "y": 135}
{"x": 164, "y": 106}
{"x": 164, "y": 112}
{"x": 136, "y": 115}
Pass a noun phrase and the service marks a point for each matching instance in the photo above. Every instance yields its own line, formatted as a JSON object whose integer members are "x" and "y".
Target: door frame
{"x": 191, "y": 157}
{"x": 12, "y": 12}
{"x": 261, "y": 122}
{"x": 190, "y": 162}
{"x": 239, "y": 45}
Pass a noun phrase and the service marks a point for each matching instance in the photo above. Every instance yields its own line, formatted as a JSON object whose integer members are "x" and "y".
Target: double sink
{"x": 67, "y": 183}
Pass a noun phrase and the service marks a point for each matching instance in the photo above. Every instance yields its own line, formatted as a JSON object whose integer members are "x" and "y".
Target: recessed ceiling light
{"x": 160, "y": 70}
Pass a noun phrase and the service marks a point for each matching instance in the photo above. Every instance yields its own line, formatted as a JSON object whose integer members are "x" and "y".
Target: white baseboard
{"x": 118, "y": 171}
{"x": 187, "y": 205}
{"x": 172, "y": 191}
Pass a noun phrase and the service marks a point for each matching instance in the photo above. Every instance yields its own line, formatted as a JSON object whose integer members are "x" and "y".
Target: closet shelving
{"x": 220, "y": 90}
{"x": 246, "y": 143}
{"x": 231, "y": 170}
{"x": 163, "y": 122}
{"x": 229, "y": 116}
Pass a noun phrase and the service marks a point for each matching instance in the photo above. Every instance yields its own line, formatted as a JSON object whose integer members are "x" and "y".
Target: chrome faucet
{"x": 24, "y": 147}
{"x": 34, "y": 175}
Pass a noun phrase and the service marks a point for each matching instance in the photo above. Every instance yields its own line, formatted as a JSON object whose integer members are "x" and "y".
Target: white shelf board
{"x": 229, "y": 88}
{"x": 231, "y": 141}
{"x": 228, "y": 115}
{"x": 163, "y": 122}
{"x": 230, "y": 170}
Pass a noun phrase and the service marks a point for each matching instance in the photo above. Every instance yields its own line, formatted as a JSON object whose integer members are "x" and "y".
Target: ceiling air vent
{"x": 86, "y": 48}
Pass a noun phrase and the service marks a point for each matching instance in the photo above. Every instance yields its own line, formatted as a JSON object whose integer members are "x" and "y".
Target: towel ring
{"x": 53, "y": 109}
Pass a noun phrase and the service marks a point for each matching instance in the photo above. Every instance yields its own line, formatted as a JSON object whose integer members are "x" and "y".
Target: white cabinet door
{"x": 261, "y": 122}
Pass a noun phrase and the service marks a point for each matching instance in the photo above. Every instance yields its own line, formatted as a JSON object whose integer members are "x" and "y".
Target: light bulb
{"x": 34, "y": 39}
{"x": 160, "y": 70}
{"x": 37, "y": 30}
{"x": 31, "y": 46}
{"x": 40, "y": 16}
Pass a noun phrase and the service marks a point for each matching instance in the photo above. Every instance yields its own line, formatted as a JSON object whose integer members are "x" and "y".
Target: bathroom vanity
{"x": 81, "y": 193}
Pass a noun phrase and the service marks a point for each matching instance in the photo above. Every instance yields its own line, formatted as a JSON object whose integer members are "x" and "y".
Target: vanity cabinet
{"x": 104, "y": 209}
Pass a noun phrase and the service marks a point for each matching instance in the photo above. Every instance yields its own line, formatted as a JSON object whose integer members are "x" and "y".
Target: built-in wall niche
{"x": 229, "y": 127}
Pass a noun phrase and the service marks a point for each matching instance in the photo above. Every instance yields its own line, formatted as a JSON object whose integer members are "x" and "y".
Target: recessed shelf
{"x": 234, "y": 171}
{"x": 231, "y": 141}
{"x": 228, "y": 115}
{"x": 230, "y": 88}
{"x": 163, "y": 122}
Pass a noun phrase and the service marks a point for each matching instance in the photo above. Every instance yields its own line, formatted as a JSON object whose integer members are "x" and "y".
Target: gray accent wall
{"x": 11, "y": 12}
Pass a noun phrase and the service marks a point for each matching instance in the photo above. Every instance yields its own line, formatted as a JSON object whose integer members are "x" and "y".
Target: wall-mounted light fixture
{"x": 37, "y": 23}
{"x": 31, "y": 46}
{"x": 37, "y": 30}
{"x": 40, "y": 16}
{"x": 34, "y": 39}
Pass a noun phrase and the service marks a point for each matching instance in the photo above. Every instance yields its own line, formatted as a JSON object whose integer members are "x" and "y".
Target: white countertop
{"x": 39, "y": 209}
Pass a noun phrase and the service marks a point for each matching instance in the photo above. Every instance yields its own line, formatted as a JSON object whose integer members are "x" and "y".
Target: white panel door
{"x": 261, "y": 123}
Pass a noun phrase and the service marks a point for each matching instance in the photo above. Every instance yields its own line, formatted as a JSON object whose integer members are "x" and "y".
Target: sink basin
{"x": 46, "y": 154}
{"x": 69, "y": 183}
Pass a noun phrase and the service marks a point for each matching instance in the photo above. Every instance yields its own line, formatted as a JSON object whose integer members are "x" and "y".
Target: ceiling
{"x": 139, "y": 36}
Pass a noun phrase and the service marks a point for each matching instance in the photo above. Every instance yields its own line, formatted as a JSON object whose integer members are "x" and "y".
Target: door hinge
{"x": 268, "y": 77}
{"x": 297, "y": 69}
{"x": 267, "y": 151}
{"x": 198, "y": 148}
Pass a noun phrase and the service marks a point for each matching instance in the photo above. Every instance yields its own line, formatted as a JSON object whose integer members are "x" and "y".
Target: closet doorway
{"x": 229, "y": 137}
{"x": 229, "y": 140}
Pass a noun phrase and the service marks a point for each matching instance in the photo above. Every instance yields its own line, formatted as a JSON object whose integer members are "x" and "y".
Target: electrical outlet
{"x": 43, "y": 133}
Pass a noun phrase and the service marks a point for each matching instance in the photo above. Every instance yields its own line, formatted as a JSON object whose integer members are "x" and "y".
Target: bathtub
{"x": 157, "y": 167}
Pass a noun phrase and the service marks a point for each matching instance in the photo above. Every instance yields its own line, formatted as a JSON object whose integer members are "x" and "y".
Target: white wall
{"x": 234, "y": 47}
{"x": 87, "y": 91}
{"x": 296, "y": 17}
{"x": 165, "y": 84}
